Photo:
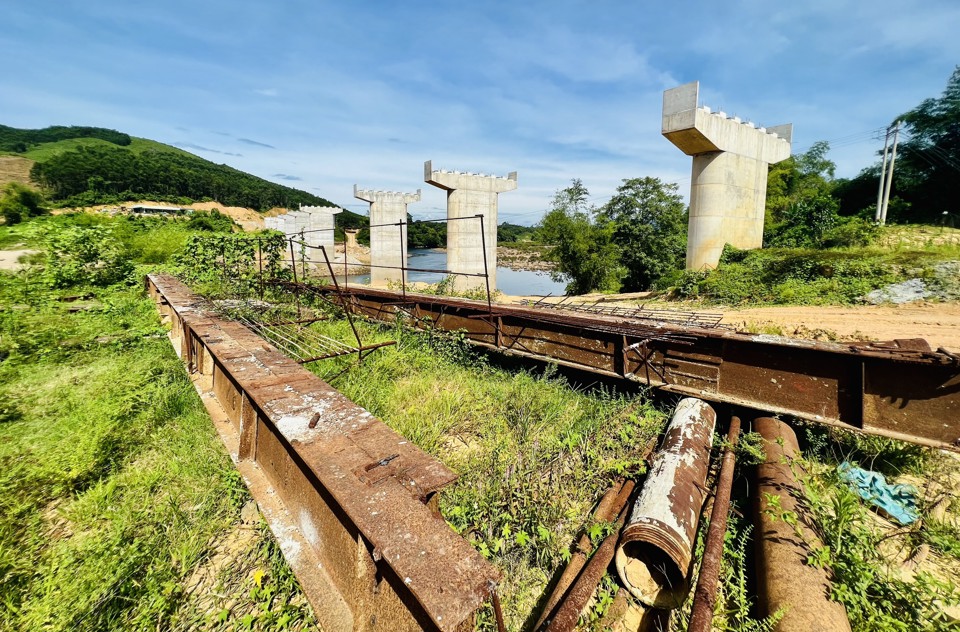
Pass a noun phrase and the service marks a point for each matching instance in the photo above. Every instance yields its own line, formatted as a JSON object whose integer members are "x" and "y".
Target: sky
{"x": 324, "y": 95}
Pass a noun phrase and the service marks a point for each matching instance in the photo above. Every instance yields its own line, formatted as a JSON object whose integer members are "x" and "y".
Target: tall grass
{"x": 532, "y": 452}
{"x": 114, "y": 487}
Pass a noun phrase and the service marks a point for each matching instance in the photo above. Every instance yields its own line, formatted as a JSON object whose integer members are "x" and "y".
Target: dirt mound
{"x": 248, "y": 218}
{"x": 15, "y": 169}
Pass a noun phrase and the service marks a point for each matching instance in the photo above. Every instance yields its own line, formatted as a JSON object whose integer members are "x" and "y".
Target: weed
{"x": 114, "y": 487}
{"x": 532, "y": 453}
{"x": 875, "y": 596}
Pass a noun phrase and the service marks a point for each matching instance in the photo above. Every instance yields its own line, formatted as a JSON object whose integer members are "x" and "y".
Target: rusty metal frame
{"x": 902, "y": 389}
{"x": 351, "y": 502}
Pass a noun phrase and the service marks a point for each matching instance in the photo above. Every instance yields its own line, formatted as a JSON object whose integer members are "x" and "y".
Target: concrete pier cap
{"x": 470, "y": 195}
{"x": 388, "y": 232}
{"x": 728, "y": 189}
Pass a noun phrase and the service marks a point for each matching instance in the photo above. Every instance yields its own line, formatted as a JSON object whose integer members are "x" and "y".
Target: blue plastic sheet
{"x": 897, "y": 501}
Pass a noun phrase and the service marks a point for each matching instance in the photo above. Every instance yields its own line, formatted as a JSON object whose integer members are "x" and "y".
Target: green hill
{"x": 80, "y": 166}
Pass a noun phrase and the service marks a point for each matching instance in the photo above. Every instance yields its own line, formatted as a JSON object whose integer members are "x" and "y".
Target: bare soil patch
{"x": 249, "y": 219}
{"x": 938, "y": 323}
{"x": 10, "y": 259}
{"x": 15, "y": 169}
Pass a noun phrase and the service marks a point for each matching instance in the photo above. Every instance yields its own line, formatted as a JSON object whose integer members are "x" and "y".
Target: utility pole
{"x": 886, "y": 189}
{"x": 883, "y": 175}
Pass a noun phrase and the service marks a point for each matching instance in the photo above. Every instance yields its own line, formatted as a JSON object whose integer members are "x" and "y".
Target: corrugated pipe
{"x": 656, "y": 545}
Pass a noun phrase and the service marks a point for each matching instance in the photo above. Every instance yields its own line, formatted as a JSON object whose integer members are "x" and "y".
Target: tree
{"x": 18, "y": 202}
{"x": 801, "y": 177}
{"x": 800, "y": 203}
{"x": 648, "y": 224}
{"x": 85, "y": 255}
{"x": 581, "y": 248}
{"x": 927, "y": 167}
{"x": 928, "y": 163}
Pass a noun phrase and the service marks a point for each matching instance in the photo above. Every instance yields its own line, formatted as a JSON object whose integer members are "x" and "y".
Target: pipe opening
{"x": 651, "y": 575}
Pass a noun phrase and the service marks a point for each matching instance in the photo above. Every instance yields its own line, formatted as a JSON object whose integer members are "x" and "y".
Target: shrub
{"x": 18, "y": 202}
{"x": 85, "y": 255}
{"x": 855, "y": 231}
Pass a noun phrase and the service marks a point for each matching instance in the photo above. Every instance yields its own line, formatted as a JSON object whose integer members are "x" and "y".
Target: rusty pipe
{"x": 784, "y": 579}
{"x": 609, "y": 507}
{"x": 705, "y": 595}
{"x": 656, "y": 546}
{"x": 568, "y": 612}
{"x": 497, "y": 608}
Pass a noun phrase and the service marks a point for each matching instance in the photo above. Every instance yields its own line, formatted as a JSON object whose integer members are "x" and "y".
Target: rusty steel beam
{"x": 348, "y": 499}
{"x": 902, "y": 389}
{"x": 656, "y": 545}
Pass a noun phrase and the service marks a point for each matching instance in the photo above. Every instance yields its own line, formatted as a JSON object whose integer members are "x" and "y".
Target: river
{"x": 516, "y": 282}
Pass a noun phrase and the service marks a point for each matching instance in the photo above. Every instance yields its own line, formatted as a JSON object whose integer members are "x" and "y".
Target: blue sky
{"x": 322, "y": 95}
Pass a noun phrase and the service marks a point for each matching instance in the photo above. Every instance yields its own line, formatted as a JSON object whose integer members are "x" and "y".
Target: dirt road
{"x": 939, "y": 323}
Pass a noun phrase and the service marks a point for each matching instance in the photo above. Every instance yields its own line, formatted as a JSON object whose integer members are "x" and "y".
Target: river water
{"x": 517, "y": 282}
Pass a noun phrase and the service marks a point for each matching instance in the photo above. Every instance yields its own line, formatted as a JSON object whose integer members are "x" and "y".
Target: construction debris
{"x": 785, "y": 582}
{"x": 705, "y": 595}
{"x": 656, "y": 546}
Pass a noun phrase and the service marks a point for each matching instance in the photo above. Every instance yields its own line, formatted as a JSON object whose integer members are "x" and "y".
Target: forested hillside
{"x": 88, "y": 165}
{"x": 22, "y": 140}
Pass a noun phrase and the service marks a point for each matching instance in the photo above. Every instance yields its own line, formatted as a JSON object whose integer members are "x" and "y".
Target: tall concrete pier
{"x": 728, "y": 191}
{"x": 388, "y": 243}
{"x": 469, "y": 195}
{"x": 320, "y": 223}
{"x": 315, "y": 223}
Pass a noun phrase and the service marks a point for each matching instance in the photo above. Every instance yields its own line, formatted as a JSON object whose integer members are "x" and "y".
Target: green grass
{"x": 115, "y": 490}
{"x": 783, "y": 276}
{"x": 116, "y": 495}
{"x": 533, "y": 454}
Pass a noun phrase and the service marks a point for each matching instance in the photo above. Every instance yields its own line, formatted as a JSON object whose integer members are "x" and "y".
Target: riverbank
{"x": 524, "y": 256}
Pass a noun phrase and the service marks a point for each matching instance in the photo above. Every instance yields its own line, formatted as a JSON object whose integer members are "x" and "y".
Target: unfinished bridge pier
{"x": 470, "y": 195}
{"x": 315, "y": 223}
{"x": 728, "y": 189}
{"x": 320, "y": 222}
{"x": 388, "y": 232}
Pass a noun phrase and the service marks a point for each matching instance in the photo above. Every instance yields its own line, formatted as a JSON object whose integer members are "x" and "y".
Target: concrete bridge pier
{"x": 320, "y": 222}
{"x": 469, "y": 195}
{"x": 728, "y": 188}
{"x": 388, "y": 244}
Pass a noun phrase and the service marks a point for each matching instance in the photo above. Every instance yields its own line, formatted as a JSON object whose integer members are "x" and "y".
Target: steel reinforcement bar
{"x": 900, "y": 389}
{"x": 348, "y": 499}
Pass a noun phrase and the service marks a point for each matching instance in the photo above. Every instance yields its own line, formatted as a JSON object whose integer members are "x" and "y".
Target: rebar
{"x": 705, "y": 595}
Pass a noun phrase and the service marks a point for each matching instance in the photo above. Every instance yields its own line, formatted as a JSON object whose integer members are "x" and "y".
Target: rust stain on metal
{"x": 352, "y": 493}
{"x": 656, "y": 546}
{"x": 856, "y": 386}
{"x": 568, "y": 612}
{"x": 785, "y": 581}
{"x": 705, "y": 595}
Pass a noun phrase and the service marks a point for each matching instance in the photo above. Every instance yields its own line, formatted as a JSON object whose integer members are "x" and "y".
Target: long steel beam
{"x": 899, "y": 389}
{"x": 348, "y": 499}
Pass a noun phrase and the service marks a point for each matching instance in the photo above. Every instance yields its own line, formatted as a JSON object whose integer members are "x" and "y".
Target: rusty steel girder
{"x": 348, "y": 499}
{"x": 901, "y": 389}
